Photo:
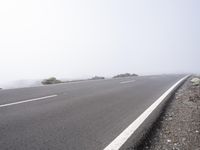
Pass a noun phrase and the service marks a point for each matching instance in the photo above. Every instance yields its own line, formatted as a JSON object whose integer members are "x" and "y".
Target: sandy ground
{"x": 178, "y": 128}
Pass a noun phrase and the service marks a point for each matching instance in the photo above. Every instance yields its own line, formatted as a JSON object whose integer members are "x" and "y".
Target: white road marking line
{"x": 123, "y": 137}
{"x": 29, "y": 100}
{"x": 123, "y": 82}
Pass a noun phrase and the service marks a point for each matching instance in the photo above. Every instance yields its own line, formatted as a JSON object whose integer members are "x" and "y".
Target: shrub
{"x": 51, "y": 80}
{"x": 97, "y": 78}
{"x": 125, "y": 75}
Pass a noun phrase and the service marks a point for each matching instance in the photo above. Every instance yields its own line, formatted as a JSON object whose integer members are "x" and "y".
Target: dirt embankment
{"x": 178, "y": 128}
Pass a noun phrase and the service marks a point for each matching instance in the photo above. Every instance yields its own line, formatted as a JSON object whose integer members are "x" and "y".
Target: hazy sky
{"x": 81, "y": 38}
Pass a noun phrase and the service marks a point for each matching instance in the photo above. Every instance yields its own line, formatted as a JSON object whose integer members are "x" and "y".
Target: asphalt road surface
{"x": 85, "y": 115}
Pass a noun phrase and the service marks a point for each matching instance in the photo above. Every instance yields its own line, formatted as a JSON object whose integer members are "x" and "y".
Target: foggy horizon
{"x": 80, "y": 39}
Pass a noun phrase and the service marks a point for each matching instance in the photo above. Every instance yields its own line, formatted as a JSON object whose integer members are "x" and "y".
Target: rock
{"x": 195, "y": 81}
{"x": 183, "y": 139}
{"x": 168, "y": 140}
{"x": 170, "y": 118}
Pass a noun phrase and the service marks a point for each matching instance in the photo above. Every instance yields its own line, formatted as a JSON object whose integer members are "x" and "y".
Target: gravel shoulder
{"x": 178, "y": 128}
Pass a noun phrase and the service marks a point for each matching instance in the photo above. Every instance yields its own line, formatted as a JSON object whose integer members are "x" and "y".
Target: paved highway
{"x": 86, "y": 115}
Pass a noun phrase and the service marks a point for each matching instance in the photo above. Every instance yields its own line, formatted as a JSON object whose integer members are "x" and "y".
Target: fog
{"x": 74, "y": 39}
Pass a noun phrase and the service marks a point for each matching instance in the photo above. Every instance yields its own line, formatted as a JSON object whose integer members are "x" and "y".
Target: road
{"x": 85, "y": 115}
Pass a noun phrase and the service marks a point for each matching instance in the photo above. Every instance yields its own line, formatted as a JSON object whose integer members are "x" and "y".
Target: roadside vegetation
{"x": 97, "y": 78}
{"x": 54, "y": 80}
{"x": 51, "y": 80}
{"x": 125, "y": 75}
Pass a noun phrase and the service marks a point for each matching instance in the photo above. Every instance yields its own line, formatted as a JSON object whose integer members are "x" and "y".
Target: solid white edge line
{"x": 127, "y": 81}
{"x": 123, "y": 137}
{"x": 29, "y": 100}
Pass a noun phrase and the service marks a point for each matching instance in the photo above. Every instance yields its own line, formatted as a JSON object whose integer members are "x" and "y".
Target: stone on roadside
{"x": 195, "y": 81}
{"x": 168, "y": 140}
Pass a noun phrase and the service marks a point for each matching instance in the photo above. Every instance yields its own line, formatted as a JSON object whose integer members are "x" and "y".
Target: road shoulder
{"x": 178, "y": 128}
